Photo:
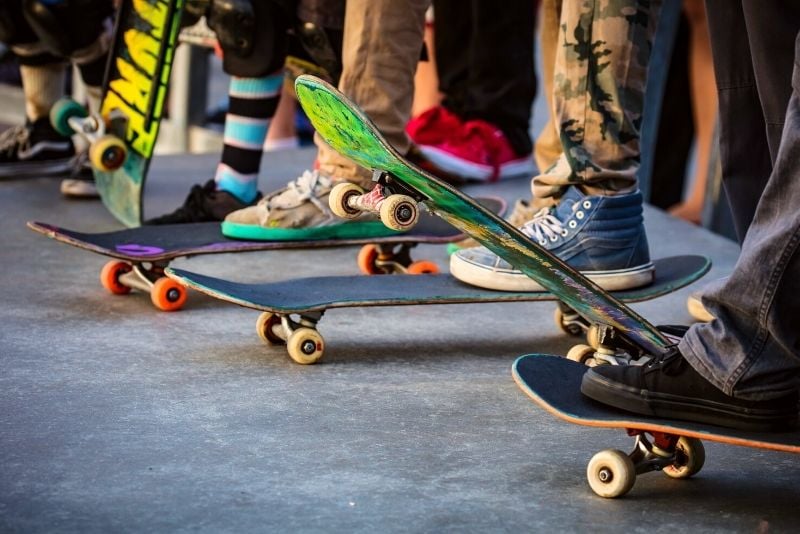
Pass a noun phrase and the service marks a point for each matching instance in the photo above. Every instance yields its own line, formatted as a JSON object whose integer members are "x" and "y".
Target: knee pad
{"x": 324, "y": 47}
{"x": 64, "y": 26}
{"x": 14, "y": 29}
{"x": 252, "y": 35}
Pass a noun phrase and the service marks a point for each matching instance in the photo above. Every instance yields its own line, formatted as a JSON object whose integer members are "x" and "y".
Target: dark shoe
{"x": 669, "y": 387}
{"x": 35, "y": 149}
{"x": 204, "y": 204}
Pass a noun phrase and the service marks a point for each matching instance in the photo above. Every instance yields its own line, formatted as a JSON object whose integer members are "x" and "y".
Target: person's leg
{"x": 547, "y": 146}
{"x": 255, "y": 62}
{"x": 34, "y": 148}
{"x": 485, "y": 59}
{"x": 381, "y": 47}
{"x": 743, "y": 368}
{"x": 601, "y": 72}
{"x": 675, "y": 127}
{"x": 703, "y": 108}
{"x": 597, "y": 226}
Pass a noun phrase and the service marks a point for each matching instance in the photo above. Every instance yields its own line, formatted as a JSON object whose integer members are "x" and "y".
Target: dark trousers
{"x": 484, "y": 54}
{"x": 752, "y": 348}
{"x": 752, "y": 43}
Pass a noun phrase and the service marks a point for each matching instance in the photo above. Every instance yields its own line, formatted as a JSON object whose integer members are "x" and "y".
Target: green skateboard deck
{"x": 122, "y": 138}
{"x": 347, "y": 130}
{"x": 674, "y": 447}
{"x": 309, "y": 298}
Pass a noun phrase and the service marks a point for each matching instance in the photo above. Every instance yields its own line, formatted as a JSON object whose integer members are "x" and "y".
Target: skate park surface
{"x": 118, "y": 417}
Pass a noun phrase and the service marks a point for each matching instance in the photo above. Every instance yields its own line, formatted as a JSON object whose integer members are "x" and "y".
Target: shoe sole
{"x": 667, "y": 406}
{"x": 348, "y": 230}
{"x": 79, "y": 189}
{"x": 475, "y": 171}
{"x": 36, "y": 169}
{"x": 508, "y": 280}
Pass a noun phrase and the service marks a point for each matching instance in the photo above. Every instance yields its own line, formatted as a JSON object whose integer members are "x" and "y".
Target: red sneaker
{"x": 434, "y": 126}
{"x": 480, "y": 152}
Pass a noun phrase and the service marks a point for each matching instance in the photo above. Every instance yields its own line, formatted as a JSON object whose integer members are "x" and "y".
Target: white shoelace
{"x": 306, "y": 187}
{"x": 543, "y": 226}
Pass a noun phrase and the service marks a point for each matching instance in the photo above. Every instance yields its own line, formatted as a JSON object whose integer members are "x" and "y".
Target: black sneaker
{"x": 35, "y": 149}
{"x": 669, "y": 387}
{"x": 81, "y": 182}
{"x": 204, "y": 204}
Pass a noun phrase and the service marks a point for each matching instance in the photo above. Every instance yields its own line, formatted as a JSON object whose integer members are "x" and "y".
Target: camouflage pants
{"x": 599, "y": 78}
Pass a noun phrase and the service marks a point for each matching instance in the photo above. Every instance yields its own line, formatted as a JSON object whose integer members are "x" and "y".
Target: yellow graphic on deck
{"x": 132, "y": 91}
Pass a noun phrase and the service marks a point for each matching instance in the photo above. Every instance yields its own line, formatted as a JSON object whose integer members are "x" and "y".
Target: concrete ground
{"x": 117, "y": 417}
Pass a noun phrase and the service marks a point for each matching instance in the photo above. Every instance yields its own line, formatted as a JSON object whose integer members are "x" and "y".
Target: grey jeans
{"x": 752, "y": 349}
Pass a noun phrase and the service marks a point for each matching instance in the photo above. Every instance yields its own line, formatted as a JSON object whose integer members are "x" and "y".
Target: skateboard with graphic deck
{"x": 141, "y": 254}
{"x": 293, "y": 308}
{"x": 620, "y": 333}
{"x": 123, "y": 136}
{"x": 673, "y": 447}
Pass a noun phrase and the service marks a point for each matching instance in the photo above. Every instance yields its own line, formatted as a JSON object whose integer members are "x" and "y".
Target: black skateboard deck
{"x": 309, "y": 298}
{"x": 144, "y": 252}
{"x": 554, "y": 383}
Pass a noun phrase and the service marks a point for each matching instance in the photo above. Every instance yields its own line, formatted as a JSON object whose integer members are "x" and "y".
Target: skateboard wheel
{"x": 168, "y": 295}
{"x": 611, "y": 473}
{"x": 305, "y": 346}
{"x": 423, "y": 267}
{"x": 366, "y": 260}
{"x": 339, "y": 200}
{"x": 109, "y": 277}
{"x": 63, "y": 110}
{"x": 593, "y": 336}
{"x": 581, "y": 354}
{"x": 568, "y": 327}
{"x": 107, "y": 153}
{"x": 690, "y": 457}
{"x": 264, "y": 329}
{"x": 399, "y": 212}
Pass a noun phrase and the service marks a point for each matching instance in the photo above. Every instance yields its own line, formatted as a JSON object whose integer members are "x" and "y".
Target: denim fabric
{"x": 752, "y": 349}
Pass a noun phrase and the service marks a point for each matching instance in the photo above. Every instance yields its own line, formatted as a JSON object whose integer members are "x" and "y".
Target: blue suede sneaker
{"x": 601, "y": 236}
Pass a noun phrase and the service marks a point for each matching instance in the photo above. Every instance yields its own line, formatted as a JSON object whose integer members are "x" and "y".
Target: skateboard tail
{"x": 347, "y": 130}
{"x": 135, "y": 89}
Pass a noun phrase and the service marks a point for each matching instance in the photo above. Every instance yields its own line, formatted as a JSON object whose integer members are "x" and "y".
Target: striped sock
{"x": 252, "y": 105}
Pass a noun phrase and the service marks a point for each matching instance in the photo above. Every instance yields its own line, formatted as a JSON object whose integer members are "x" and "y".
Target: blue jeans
{"x": 752, "y": 349}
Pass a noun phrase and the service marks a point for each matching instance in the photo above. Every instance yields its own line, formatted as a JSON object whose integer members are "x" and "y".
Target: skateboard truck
{"x": 396, "y": 204}
{"x": 301, "y": 337}
{"x": 611, "y": 473}
{"x": 606, "y": 346}
{"x": 107, "y": 150}
{"x": 119, "y": 277}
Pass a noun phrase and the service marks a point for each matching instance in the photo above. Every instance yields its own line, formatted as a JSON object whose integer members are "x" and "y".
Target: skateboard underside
{"x": 137, "y": 77}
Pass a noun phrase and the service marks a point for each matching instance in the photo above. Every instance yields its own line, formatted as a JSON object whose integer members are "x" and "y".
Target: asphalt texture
{"x": 116, "y": 417}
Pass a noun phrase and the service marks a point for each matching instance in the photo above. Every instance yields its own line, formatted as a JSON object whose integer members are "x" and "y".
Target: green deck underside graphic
{"x": 349, "y": 132}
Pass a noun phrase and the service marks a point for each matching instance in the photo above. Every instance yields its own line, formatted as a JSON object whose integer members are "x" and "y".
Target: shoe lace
{"x": 544, "y": 225}
{"x": 14, "y": 138}
{"x": 307, "y": 187}
{"x": 670, "y": 363}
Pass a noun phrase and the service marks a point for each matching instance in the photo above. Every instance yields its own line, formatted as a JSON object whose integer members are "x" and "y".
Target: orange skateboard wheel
{"x": 168, "y": 295}
{"x": 423, "y": 267}
{"x": 109, "y": 277}
{"x": 366, "y": 259}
